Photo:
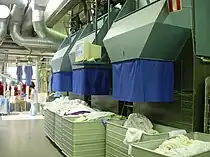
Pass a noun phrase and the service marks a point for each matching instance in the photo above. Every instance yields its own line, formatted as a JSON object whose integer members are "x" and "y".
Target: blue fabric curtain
{"x": 19, "y": 73}
{"x": 28, "y": 73}
{"x": 91, "y": 81}
{"x": 62, "y": 82}
{"x": 143, "y": 81}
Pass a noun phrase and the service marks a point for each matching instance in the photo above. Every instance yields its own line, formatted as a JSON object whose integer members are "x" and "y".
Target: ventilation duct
{"x": 42, "y": 30}
{"x": 17, "y": 16}
{"x": 27, "y": 26}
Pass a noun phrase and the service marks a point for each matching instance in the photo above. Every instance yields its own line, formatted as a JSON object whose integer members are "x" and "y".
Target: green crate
{"x": 88, "y": 147}
{"x": 83, "y": 138}
{"x": 58, "y": 131}
{"x": 147, "y": 148}
{"x": 117, "y": 144}
{"x": 113, "y": 152}
{"x": 115, "y": 135}
{"x": 83, "y": 132}
{"x": 49, "y": 124}
{"x": 84, "y": 151}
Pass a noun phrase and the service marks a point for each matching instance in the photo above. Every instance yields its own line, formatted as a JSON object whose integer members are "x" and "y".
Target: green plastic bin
{"x": 49, "y": 124}
{"x": 115, "y": 135}
{"x": 83, "y": 139}
{"x": 146, "y": 149}
{"x": 58, "y": 130}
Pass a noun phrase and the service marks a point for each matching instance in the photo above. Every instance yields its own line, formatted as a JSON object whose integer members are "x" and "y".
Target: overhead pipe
{"x": 42, "y": 30}
{"x": 17, "y": 15}
{"x": 45, "y": 55}
{"x": 27, "y": 26}
{"x": 3, "y": 29}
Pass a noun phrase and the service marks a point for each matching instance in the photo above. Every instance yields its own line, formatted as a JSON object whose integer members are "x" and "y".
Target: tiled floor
{"x": 25, "y": 138}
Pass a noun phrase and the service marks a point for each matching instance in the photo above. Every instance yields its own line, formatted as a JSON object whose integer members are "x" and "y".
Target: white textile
{"x": 175, "y": 133}
{"x": 182, "y": 146}
{"x": 133, "y": 135}
{"x": 139, "y": 121}
{"x": 95, "y": 116}
{"x": 137, "y": 124}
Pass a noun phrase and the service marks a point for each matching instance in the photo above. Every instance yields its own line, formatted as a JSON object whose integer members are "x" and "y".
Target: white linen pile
{"x": 137, "y": 124}
{"x": 182, "y": 146}
{"x": 64, "y": 106}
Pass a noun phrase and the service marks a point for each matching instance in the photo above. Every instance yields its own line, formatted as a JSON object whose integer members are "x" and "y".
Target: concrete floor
{"x": 25, "y": 139}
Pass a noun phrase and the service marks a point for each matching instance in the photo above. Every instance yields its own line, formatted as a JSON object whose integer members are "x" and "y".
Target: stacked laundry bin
{"x": 58, "y": 130}
{"x": 116, "y": 132}
{"x": 147, "y": 148}
{"x": 83, "y": 139}
{"x": 49, "y": 124}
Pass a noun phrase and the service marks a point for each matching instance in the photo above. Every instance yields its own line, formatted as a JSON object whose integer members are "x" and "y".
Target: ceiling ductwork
{"x": 29, "y": 42}
{"x": 3, "y": 29}
{"x": 48, "y": 40}
{"x": 42, "y": 30}
{"x": 27, "y": 26}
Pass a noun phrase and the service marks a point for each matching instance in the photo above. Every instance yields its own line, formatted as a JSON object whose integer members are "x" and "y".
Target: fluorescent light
{"x": 4, "y": 12}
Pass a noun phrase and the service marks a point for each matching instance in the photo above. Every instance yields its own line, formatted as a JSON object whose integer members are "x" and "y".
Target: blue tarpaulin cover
{"x": 19, "y": 73}
{"x": 91, "y": 81}
{"x": 62, "y": 82}
{"x": 28, "y": 73}
{"x": 143, "y": 81}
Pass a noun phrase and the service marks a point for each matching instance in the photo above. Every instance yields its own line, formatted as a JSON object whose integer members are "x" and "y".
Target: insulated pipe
{"x": 17, "y": 15}
{"x": 42, "y": 30}
{"x": 3, "y": 29}
{"x": 27, "y": 26}
{"x": 30, "y": 42}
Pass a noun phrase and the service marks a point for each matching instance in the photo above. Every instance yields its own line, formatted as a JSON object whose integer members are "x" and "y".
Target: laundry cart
{"x": 83, "y": 139}
{"x": 146, "y": 149}
{"x": 116, "y": 132}
{"x": 49, "y": 124}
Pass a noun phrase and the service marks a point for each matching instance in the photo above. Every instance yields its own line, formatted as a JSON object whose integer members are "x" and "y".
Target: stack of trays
{"x": 115, "y": 135}
{"x": 147, "y": 148}
{"x": 58, "y": 130}
{"x": 83, "y": 139}
{"x": 49, "y": 124}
